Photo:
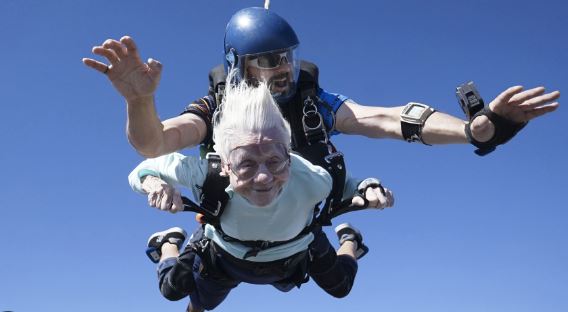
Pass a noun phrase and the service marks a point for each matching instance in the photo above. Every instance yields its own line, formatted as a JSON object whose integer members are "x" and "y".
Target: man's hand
{"x": 162, "y": 195}
{"x": 133, "y": 78}
{"x": 515, "y": 105}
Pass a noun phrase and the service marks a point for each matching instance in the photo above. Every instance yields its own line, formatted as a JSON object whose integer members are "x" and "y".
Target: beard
{"x": 280, "y": 83}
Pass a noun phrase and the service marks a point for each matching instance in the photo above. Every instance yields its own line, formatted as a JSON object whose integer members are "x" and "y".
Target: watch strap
{"x": 411, "y": 132}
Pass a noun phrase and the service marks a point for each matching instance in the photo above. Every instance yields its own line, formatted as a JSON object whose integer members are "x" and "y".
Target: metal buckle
{"x": 310, "y": 113}
{"x": 213, "y": 155}
{"x": 331, "y": 158}
{"x": 214, "y": 212}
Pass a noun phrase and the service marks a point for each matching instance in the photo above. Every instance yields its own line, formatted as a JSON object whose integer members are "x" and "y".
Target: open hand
{"x": 516, "y": 105}
{"x": 133, "y": 78}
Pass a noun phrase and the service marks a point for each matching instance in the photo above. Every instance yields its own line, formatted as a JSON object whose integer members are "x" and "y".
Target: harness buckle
{"x": 202, "y": 245}
{"x": 211, "y": 207}
{"x": 334, "y": 159}
{"x": 213, "y": 157}
{"x": 312, "y": 123}
{"x": 251, "y": 253}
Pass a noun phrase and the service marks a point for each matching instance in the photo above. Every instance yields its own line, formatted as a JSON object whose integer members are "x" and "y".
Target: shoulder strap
{"x": 217, "y": 77}
{"x": 310, "y": 72}
{"x": 311, "y": 140}
{"x": 213, "y": 196}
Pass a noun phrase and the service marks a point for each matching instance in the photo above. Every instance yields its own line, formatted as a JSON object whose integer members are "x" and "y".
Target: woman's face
{"x": 258, "y": 166}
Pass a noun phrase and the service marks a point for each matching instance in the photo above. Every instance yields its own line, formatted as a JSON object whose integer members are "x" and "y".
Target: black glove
{"x": 505, "y": 130}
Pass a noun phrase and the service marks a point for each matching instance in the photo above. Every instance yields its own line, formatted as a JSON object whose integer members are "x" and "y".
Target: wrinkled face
{"x": 258, "y": 167}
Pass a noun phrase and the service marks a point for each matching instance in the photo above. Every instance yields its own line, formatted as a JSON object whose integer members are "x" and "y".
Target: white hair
{"x": 246, "y": 110}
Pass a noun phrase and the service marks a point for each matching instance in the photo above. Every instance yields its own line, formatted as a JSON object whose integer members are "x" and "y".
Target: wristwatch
{"x": 412, "y": 120}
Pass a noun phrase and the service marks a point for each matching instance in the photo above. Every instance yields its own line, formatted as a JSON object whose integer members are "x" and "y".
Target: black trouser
{"x": 334, "y": 274}
{"x": 209, "y": 286}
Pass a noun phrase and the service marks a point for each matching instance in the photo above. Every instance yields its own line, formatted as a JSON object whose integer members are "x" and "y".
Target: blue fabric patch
{"x": 329, "y": 106}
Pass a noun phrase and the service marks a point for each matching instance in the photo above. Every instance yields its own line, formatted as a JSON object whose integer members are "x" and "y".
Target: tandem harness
{"x": 310, "y": 139}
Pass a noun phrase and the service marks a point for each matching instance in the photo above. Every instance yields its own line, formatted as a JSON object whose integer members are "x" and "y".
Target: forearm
{"x": 174, "y": 169}
{"x": 441, "y": 128}
{"x": 140, "y": 174}
{"x": 384, "y": 122}
{"x": 167, "y": 168}
{"x": 143, "y": 127}
{"x": 152, "y": 138}
{"x": 350, "y": 187}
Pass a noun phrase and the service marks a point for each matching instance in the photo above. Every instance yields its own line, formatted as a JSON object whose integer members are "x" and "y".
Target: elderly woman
{"x": 272, "y": 195}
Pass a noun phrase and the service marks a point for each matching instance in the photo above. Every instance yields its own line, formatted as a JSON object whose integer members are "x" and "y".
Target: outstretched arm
{"x": 513, "y": 104}
{"x": 157, "y": 177}
{"x": 137, "y": 82}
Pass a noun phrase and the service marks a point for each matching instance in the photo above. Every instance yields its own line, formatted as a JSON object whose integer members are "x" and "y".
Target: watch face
{"x": 415, "y": 111}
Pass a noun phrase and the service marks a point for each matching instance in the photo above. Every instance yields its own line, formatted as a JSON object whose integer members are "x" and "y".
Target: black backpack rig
{"x": 310, "y": 139}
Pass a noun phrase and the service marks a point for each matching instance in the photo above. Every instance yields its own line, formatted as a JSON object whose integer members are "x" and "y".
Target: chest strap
{"x": 320, "y": 151}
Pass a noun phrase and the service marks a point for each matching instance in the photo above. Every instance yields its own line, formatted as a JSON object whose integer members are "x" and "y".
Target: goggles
{"x": 245, "y": 168}
{"x": 270, "y": 60}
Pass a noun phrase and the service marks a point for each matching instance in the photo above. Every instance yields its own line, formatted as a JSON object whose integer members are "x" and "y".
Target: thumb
{"x": 177, "y": 203}
{"x": 357, "y": 201}
{"x": 155, "y": 67}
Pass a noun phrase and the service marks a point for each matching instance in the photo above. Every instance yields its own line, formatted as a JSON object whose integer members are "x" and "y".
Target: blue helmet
{"x": 262, "y": 45}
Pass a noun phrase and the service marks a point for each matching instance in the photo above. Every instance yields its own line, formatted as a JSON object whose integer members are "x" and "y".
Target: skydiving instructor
{"x": 271, "y": 55}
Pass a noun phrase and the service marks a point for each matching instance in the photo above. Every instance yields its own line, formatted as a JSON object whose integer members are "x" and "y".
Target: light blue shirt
{"x": 283, "y": 219}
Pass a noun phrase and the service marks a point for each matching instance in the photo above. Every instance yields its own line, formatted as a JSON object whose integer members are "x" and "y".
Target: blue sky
{"x": 467, "y": 233}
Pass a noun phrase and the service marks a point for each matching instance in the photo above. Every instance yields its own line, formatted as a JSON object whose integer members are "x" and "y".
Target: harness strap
{"x": 335, "y": 165}
{"x": 217, "y": 77}
{"x": 310, "y": 139}
{"x": 320, "y": 150}
{"x": 293, "y": 269}
{"x": 259, "y": 245}
{"x": 213, "y": 196}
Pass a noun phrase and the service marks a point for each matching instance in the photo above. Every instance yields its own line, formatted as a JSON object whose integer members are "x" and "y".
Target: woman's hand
{"x": 162, "y": 195}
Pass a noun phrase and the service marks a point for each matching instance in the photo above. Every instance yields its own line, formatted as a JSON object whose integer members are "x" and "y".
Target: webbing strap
{"x": 213, "y": 196}
{"x": 260, "y": 245}
{"x": 334, "y": 164}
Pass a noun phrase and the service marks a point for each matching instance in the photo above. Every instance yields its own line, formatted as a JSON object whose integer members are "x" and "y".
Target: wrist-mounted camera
{"x": 505, "y": 130}
{"x": 473, "y": 106}
{"x": 470, "y": 100}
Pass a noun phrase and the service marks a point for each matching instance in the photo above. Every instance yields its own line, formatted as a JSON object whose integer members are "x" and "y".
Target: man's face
{"x": 279, "y": 79}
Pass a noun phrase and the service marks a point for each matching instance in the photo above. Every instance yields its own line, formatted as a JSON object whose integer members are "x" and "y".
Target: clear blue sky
{"x": 467, "y": 233}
